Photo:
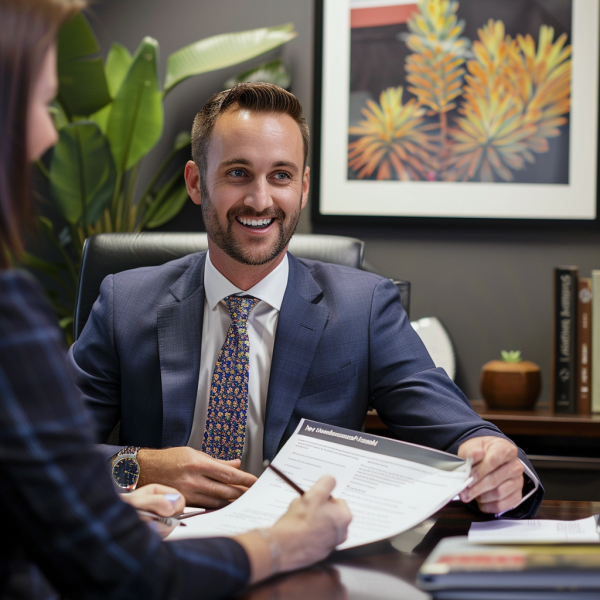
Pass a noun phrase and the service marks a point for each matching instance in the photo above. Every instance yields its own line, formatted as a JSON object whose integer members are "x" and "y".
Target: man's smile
{"x": 255, "y": 223}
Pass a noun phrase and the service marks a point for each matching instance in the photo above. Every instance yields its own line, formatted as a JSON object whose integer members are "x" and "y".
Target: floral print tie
{"x": 225, "y": 428}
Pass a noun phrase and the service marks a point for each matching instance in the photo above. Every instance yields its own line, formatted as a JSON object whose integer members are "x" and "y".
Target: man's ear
{"x": 192, "y": 181}
{"x": 305, "y": 186}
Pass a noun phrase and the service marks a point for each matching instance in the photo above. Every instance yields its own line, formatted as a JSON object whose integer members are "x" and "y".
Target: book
{"x": 564, "y": 345}
{"x": 457, "y": 569}
{"x": 596, "y": 340}
{"x": 584, "y": 346}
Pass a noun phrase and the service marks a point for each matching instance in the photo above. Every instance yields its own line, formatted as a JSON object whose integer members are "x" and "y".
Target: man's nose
{"x": 259, "y": 196}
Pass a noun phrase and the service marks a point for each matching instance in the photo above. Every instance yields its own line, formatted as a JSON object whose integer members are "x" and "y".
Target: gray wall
{"x": 492, "y": 289}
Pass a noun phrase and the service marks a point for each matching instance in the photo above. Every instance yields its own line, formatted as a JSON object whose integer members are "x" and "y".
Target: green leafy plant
{"x": 109, "y": 116}
{"x": 512, "y": 356}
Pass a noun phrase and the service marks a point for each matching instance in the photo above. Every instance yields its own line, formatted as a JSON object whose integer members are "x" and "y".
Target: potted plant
{"x": 510, "y": 383}
{"x": 109, "y": 116}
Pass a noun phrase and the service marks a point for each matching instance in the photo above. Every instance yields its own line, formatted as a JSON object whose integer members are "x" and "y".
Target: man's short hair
{"x": 259, "y": 97}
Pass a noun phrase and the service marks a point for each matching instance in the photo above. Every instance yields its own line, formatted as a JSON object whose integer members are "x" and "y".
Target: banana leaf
{"x": 118, "y": 62}
{"x": 224, "y": 50}
{"x": 170, "y": 208}
{"x": 275, "y": 71}
{"x": 136, "y": 117}
{"x": 100, "y": 117}
{"x": 82, "y": 173}
{"x": 182, "y": 140}
{"x": 51, "y": 269}
{"x": 82, "y": 83}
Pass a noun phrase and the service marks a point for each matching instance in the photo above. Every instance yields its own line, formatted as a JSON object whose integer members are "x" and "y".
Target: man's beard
{"x": 264, "y": 251}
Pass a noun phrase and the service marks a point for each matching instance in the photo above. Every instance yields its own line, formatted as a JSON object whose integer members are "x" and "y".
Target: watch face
{"x": 126, "y": 472}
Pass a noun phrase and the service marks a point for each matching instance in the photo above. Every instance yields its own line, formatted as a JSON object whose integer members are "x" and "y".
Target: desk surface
{"x": 387, "y": 570}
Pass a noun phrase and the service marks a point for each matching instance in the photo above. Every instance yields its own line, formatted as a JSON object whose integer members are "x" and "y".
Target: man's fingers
{"x": 205, "y": 501}
{"x": 225, "y": 473}
{"x": 215, "y": 489}
{"x": 501, "y": 505}
{"x": 496, "y": 455}
{"x": 474, "y": 451}
{"x": 504, "y": 490}
{"x": 507, "y": 472}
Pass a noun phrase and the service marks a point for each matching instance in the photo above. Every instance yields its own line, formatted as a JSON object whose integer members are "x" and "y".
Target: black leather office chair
{"x": 109, "y": 253}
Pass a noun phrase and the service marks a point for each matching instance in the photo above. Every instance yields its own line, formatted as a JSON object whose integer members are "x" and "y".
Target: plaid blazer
{"x": 343, "y": 343}
{"x": 60, "y": 510}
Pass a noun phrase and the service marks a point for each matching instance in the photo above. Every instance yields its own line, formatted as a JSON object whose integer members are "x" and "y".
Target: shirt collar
{"x": 271, "y": 289}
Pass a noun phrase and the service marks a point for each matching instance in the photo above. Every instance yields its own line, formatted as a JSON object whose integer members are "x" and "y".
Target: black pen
{"x": 285, "y": 478}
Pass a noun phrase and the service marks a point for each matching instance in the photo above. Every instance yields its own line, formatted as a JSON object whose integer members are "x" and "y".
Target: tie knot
{"x": 240, "y": 308}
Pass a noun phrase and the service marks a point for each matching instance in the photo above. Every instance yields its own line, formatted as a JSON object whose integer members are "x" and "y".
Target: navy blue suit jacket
{"x": 343, "y": 344}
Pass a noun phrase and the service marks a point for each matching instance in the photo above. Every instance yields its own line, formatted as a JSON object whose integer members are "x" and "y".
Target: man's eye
{"x": 237, "y": 172}
{"x": 282, "y": 176}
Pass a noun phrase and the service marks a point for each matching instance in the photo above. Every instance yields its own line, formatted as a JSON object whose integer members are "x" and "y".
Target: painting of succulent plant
{"x": 468, "y": 92}
{"x": 392, "y": 142}
{"x": 515, "y": 99}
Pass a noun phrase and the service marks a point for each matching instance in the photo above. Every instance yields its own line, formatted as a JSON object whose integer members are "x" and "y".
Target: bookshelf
{"x": 537, "y": 422}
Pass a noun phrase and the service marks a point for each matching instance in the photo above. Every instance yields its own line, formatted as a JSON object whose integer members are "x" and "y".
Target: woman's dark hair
{"x": 27, "y": 29}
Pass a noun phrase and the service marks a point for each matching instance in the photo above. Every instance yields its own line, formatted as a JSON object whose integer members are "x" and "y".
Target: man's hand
{"x": 204, "y": 481}
{"x": 497, "y": 473}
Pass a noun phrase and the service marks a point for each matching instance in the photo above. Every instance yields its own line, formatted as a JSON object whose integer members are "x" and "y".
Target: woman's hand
{"x": 157, "y": 499}
{"x": 312, "y": 527}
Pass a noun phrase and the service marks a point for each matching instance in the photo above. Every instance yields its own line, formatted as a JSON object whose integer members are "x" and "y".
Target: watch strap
{"x": 126, "y": 452}
{"x": 129, "y": 451}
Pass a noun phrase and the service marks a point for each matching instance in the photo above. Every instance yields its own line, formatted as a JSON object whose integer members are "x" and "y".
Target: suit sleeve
{"x": 416, "y": 400}
{"x": 94, "y": 363}
{"x": 57, "y": 498}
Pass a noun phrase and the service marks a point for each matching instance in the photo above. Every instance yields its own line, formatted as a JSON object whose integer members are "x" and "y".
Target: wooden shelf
{"x": 538, "y": 422}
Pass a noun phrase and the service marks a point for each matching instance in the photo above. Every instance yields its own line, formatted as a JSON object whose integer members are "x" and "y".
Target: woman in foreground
{"x": 61, "y": 514}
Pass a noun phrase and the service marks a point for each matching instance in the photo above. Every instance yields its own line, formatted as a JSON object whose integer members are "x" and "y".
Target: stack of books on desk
{"x": 575, "y": 342}
{"x": 459, "y": 570}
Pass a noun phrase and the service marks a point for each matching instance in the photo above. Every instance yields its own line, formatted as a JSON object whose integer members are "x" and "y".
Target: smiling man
{"x": 210, "y": 361}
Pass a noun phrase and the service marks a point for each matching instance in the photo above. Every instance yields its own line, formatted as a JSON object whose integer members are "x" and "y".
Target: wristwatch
{"x": 126, "y": 469}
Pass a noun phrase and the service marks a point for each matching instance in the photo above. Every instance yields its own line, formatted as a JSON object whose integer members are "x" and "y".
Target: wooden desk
{"x": 380, "y": 571}
{"x": 537, "y": 422}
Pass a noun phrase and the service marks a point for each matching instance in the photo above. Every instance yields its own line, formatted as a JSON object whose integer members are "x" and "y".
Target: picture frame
{"x": 559, "y": 192}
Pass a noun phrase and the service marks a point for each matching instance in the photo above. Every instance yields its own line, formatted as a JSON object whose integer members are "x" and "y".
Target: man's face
{"x": 255, "y": 185}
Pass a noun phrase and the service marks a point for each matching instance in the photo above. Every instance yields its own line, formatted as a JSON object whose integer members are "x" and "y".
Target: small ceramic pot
{"x": 510, "y": 386}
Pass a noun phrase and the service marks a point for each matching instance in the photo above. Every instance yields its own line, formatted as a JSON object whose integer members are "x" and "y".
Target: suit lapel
{"x": 299, "y": 328}
{"x": 179, "y": 324}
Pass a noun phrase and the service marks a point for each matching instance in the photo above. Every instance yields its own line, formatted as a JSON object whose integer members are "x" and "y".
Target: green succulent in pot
{"x": 109, "y": 116}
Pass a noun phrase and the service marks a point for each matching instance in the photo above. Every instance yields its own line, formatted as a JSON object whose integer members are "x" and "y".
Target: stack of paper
{"x": 536, "y": 531}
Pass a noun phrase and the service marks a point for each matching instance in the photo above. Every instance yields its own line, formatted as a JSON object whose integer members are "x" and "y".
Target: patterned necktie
{"x": 228, "y": 404}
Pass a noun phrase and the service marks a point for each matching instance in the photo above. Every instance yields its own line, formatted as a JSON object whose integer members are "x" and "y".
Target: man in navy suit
{"x": 325, "y": 342}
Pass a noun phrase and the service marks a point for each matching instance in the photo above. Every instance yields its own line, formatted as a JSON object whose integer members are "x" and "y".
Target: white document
{"x": 535, "y": 531}
{"x": 389, "y": 486}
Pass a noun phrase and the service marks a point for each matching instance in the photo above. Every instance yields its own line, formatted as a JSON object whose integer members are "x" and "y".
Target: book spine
{"x": 584, "y": 346}
{"x": 595, "y": 341}
{"x": 565, "y": 333}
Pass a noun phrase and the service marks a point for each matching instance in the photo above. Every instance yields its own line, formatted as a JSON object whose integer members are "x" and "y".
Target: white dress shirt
{"x": 262, "y": 326}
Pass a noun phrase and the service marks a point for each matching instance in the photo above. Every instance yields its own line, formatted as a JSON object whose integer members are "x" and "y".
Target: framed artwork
{"x": 464, "y": 109}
